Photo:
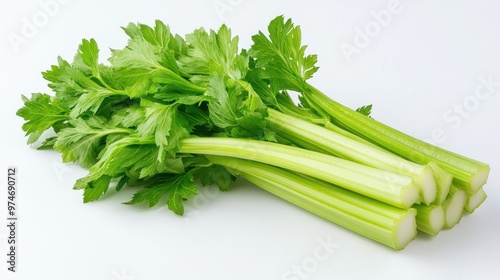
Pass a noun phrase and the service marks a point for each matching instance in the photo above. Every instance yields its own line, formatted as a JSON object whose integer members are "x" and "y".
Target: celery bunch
{"x": 168, "y": 111}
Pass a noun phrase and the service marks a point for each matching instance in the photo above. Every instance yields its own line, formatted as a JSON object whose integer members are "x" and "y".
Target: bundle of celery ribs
{"x": 169, "y": 114}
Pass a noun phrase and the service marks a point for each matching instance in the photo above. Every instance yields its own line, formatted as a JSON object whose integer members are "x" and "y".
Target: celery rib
{"x": 394, "y": 189}
{"x": 475, "y": 200}
{"x": 430, "y": 218}
{"x": 468, "y": 174}
{"x": 378, "y": 221}
{"x": 443, "y": 182}
{"x": 315, "y": 137}
{"x": 454, "y": 206}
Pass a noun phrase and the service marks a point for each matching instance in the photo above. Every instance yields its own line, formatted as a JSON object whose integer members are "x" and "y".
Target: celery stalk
{"x": 443, "y": 182}
{"x": 394, "y": 189}
{"x": 468, "y": 174}
{"x": 378, "y": 221}
{"x": 475, "y": 200}
{"x": 430, "y": 218}
{"x": 308, "y": 135}
{"x": 454, "y": 206}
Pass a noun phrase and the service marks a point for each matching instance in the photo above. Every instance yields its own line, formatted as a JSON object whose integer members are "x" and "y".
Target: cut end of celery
{"x": 430, "y": 218}
{"x": 409, "y": 195}
{"x": 444, "y": 189}
{"x": 443, "y": 182}
{"x": 429, "y": 187}
{"x": 479, "y": 179}
{"x": 475, "y": 200}
{"x": 437, "y": 220}
{"x": 406, "y": 229}
{"x": 454, "y": 209}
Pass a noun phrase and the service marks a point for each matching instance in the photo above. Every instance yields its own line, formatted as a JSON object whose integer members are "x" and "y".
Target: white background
{"x": 415, "y": 70}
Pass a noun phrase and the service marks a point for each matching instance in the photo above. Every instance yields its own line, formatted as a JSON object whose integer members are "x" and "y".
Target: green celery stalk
{"x": 394, "y": 189}
{"x": 468, "y": 174}
{"x": 430, "y": 218}
{"x": 318, "y": 138}
{"x": 454, "y": 206}
{"x": 475, "y": 200}
{"x": 443, "y": 182}
{"x": 282, "y": 64}
{"x": 378, "y": 221}
{"x": 442, "y": 177}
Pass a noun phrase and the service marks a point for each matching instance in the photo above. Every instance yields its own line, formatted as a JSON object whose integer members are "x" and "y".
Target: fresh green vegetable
{"x": 339, "y": 145}
{"x": 430, "y": 218}
{"x": 384, "y": 186}
{"x": 281, "y": 59}
{"x": 443, "y": 182}
{"x": 389, "y": 225}
{"x": 168, "y": 111}
{"x": 453, "y": 206}
{"x": 475, "y": 200}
